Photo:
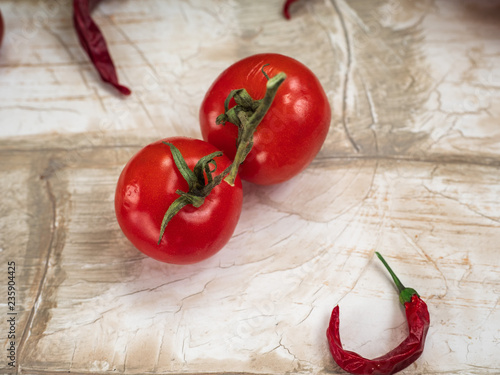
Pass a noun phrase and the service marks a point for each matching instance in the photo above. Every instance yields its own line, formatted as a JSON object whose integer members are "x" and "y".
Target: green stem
{"x": 198, "y": 189}
{"x": 398, "y": 283}
{"x": 176, "y": 206}
{"x": 405, "y": 294}
{"x": 248, "y": 124}
{"x": 217, "y": 180}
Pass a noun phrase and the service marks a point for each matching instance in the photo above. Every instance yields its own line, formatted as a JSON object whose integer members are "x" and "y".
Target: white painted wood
{"x": 410, "y": 168}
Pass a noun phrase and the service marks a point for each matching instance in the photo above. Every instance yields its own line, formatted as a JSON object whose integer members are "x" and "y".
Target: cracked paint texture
{"x": 410, "y": 168}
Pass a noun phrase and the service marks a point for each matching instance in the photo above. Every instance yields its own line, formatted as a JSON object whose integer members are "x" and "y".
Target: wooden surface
{"x": 410, "y": 168}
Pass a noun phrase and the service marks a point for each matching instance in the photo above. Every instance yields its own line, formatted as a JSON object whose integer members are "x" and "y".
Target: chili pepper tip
{"x": 123, "y": 89}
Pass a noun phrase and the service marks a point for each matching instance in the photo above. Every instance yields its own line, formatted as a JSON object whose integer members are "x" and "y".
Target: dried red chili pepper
{"x": 397, "y": 359}
{"x": 286, "y": 8}
{"x": 1, "y": 28}
{"x": 94, "y": 44}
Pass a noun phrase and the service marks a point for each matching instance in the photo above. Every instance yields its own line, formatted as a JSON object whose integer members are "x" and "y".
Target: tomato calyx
{"x": 247, "y": 115}
{"x": 199, "y": 187}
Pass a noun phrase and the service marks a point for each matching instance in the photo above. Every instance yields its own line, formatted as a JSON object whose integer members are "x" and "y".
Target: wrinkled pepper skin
{"x": 402, "y": 356}
{"x": 286, "y": 8}
{"x": 94, "y": 44}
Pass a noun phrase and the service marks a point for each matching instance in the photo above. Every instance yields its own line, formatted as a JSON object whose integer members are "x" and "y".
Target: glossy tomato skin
{"x": 293, "y": 130}
{"x": 146, "y": 188}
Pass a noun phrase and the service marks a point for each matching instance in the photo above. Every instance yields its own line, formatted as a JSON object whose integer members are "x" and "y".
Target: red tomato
{"x": 146, "y": 188}
{"x": 293, "y": 130}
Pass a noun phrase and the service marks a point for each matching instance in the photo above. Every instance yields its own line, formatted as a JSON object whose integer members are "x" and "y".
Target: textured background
{"x": 410, "y": 168}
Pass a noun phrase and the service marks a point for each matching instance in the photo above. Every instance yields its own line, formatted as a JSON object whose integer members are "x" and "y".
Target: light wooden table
{"x": 410, "y": 168}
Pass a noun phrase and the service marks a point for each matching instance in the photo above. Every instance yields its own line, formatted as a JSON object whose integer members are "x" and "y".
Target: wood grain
{"x": 410, "y": 168}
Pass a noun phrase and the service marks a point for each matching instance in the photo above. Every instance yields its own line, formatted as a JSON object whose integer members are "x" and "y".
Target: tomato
{"x": 293, "y": 130}
{"x": 147, "y": 187}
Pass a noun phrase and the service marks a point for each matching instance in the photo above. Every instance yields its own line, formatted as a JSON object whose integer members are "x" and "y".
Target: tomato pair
{"x": 285, "y": 141}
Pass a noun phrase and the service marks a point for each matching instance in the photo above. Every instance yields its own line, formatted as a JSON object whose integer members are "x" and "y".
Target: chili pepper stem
{"x": 405, "y": 293}
{"x": 398, "y": 283}
{"x": 248, "y": 126}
